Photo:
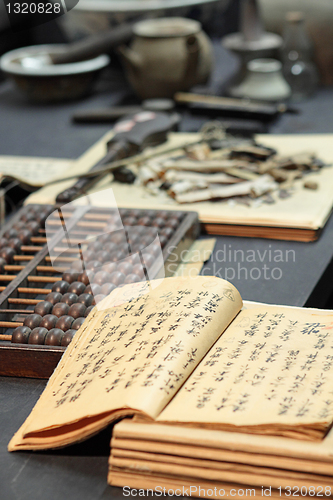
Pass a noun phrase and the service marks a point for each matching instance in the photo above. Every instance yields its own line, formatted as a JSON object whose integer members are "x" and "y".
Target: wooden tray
{"x": 39, "y": 361}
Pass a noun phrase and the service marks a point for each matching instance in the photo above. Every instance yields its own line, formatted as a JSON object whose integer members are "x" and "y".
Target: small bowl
{"x": 32, "y": 70}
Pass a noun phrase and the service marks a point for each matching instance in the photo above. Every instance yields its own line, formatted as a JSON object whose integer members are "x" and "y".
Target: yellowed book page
{"x": 269, "y": 373}
{"x": 228, "y": 457}
{"x": 134, "y": 353}
{"x": 219, "y": 465}
{"x": 321, "y": 451}
{"x": 33, "y": 171}
{"x": 307, "y": 209}
{"x": 291, "y": 479}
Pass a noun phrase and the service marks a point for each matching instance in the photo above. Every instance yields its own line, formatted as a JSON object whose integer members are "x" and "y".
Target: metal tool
{"x": 107, "y": 115}
{"x": 132, "y": 134}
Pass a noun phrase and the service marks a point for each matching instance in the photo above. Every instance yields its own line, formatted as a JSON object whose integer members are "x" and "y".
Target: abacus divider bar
{"x": 27, "y": 302}
{"x": 24, "y": 258}
{"x": 17, "y": 311}
{"x": 10, "y": 324}
{"x": 41, "y": 269}
{"x": 32, "y": 279}
{"x": 5, "y": 337}
{"x": 32, "y": 291}
{"x": 31, "y": 248}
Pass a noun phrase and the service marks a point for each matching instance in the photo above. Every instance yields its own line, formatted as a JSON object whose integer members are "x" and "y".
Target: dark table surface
{"x": 303, "y": 277}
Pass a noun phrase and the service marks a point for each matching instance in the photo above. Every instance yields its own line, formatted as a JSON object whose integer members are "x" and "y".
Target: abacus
{"x": 49, "y": 284}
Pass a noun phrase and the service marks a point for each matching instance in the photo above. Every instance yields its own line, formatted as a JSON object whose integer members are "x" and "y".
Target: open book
{"x": 184, "y": 351}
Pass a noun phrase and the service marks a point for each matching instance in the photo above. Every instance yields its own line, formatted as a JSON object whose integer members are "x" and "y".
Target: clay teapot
{"x": 167, "y": 55}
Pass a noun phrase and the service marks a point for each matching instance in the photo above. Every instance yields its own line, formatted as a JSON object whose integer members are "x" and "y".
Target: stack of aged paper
{"x": 222, "y": 393}
{"x": 217, "y": 464}
{"x": 301, "y": 217}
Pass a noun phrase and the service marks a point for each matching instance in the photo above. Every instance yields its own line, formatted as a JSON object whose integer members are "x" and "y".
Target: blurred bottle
{"x": 297, "y": 57}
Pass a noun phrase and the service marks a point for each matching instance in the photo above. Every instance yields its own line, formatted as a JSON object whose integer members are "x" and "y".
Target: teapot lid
{"x": 166, "y": 27}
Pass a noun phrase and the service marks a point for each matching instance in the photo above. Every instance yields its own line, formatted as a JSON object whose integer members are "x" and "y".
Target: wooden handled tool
{"x": 132, "y": 134}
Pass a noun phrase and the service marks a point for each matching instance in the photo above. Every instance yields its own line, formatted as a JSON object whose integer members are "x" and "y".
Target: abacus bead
{"x": 21, "y": 335}
{"x": 117, "y": 255}
{"x": 98, "y": 298}
{"x": 54, "y": 297}
{"x": 64, "y": 323}
{"x": 77, "y": 310}
{"x": 77, "y": 287}
{"x": 69, "y": 298}
{"x": 28, "y": 216}
{"x": 110, "y": 247}
{"x": 129, "y": 221}
{"x": 173, "y": 223}
{"x": 103, "y": 256}
{"x": 144, "y": 221}
{"x": 125, "y": 267}
{"x": 85, "y": 299}
{"x": 54, "y": 337}
{"x": 117, "y": 278}
{"x": 70, "y": 276}
{"x": 164, "y": 214}
{"x": 66, "y": 339}
{"x": 110, "y": 267}
{"x": 104, "y": 238}
{"x": 88, "y": 255}
{"x": 43, "y": 308}
{"x": 158, "y": 222}
{"x": 37, "y": 335}
{"x": 139, "y": 270}
{"x": 148, "y": 260}
{"x": 60, "y": 286}
{"x": 60, "y": 309}
{"x": 150, "y": 213}
{"x": 134, "y": 212}
{"x": 15, "y": 244}
{"x": 118, "y": 237}
{"x": 102, "y": 277}
{"x": 132, "y": 278}
{"x": 49, "y": 321}
{"x": 77, "y": 265}
{"x": 88, "y": 311}
{"x": 25, "y": 236}
{"x": 167, "y": 231}
{"x": 93, "y": 264}
{"x": 77, "y": 323}
{"x": 7, "y": 254}
{"x": 86, "y": 277}
{"x": 154, "y": 249}
{"x": 3, "y": 242}
{"x": 135, "y": 259}
{"x": 32, "y": 321}
{"x": 11, "y": 233}
{"x": 33, "y": 226}
{"x": 107, "y": 288}
{"x": 96, "y": 246}
{"x": 163, "y": 240}
{"x": 41, "y": 217}
{"x": 3, "y": 263}
{"x": 93, "y": 289}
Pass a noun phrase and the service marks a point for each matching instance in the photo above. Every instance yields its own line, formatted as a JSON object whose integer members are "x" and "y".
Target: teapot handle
{"x": 192, "y": 47}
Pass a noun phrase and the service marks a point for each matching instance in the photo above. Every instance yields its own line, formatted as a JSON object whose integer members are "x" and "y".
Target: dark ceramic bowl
{"x": 32, "y": 70}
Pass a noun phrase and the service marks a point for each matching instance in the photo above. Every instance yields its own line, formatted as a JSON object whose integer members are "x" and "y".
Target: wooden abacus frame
{"x": 39, "y": 361}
